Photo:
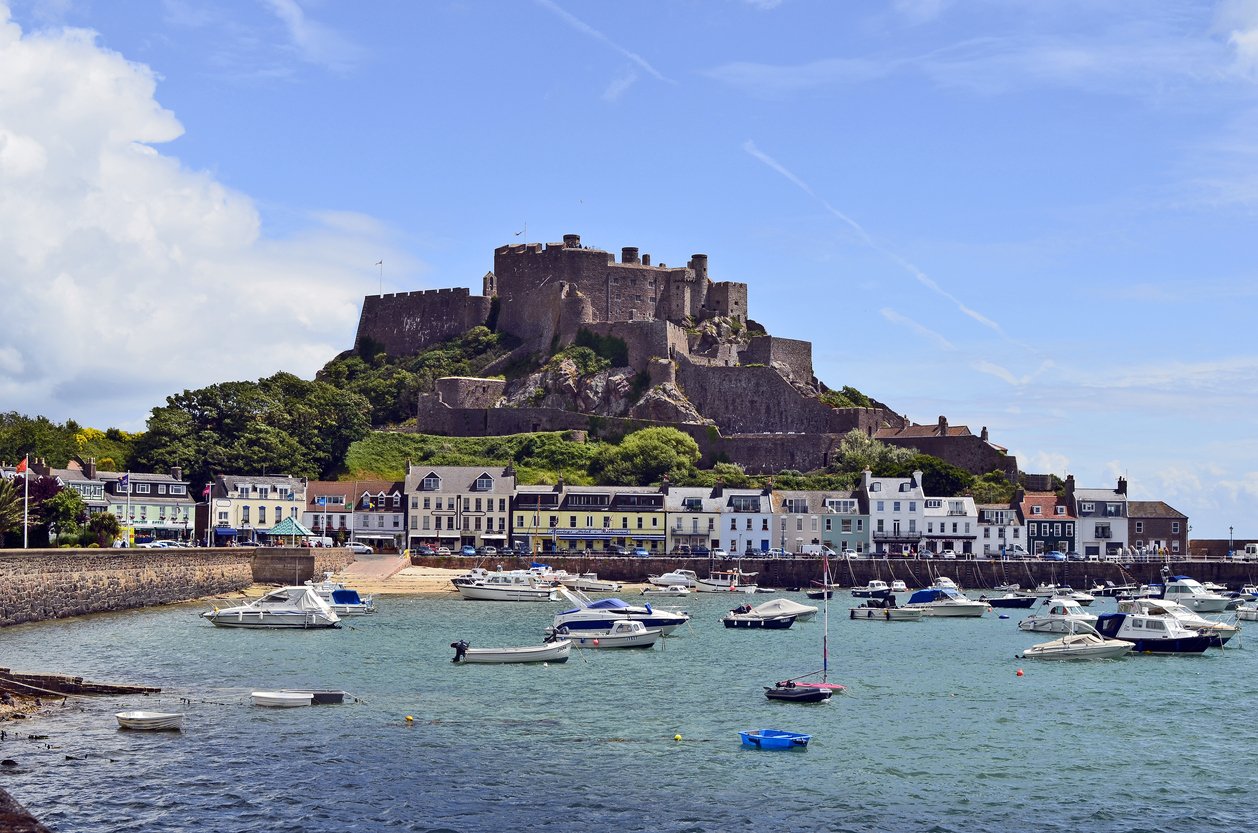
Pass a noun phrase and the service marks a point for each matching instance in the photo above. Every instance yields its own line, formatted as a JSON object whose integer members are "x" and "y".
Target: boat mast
{"x": 825, "y": 617}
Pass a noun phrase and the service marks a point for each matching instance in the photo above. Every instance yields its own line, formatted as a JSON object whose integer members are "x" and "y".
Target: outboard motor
{"x": 460, "y": 649}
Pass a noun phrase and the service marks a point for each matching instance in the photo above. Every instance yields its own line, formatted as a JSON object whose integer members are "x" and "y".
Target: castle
{"x": 687, "y": 353}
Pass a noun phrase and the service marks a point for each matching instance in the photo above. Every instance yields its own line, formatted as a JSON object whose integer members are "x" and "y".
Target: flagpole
{"x": 26, "y": 502}
{"x": 380, "y": 263}
{"x": 130, "y": 520}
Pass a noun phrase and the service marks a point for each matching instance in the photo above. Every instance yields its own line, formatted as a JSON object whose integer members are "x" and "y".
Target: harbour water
{"x": 936, "y": 732}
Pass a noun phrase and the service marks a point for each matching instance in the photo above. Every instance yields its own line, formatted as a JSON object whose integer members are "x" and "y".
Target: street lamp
{"x": 1230, "y": 547}
{"x": 52, "y": 534}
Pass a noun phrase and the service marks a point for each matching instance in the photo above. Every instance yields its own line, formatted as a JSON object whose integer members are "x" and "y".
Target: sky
{"x": 1035, "y": 217}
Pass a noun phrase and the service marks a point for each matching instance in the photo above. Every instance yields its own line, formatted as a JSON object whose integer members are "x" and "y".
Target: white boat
{"x": 1007, "y": 588}
{"x": 875, "y": 589}
{"x": 1220, "y": 631}
{"x": 1248, "y": 612}
{"x": 1152, "y": 634}
{"x": 343, "y": 600}
{"x": 726, "y": 581}
{"x": 601, "y": 615}
{"x": 556, "y": 651}
{"x": 287, "y": 607}
{"x": 512, "y": 586}
{"x": 1083, "y": 643}
{"x": 945, "y": 583}
{"x": 282, "y": 699}
{"x": 1045, "y": 590}
{"x": 150, "y": 721}
{"x": 677, "y": 578}
{"x": 898, "y": 586}
{"x": 944, "y": 601}
{"x": 1193, "y": 596}
{"x": 780, "y": 607}
{"x": 885, "y": 610}
{"x": 623, "y": 634}
{"x": 590, "y": 583}
{"x": 1079, "y": 596}
{"x": 1057, "y": 615}
{"x": 672, "y": 590}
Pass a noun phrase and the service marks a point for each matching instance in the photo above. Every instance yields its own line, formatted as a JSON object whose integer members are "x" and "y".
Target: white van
{"x": 1249, "y": 553}
{"x": 817, "y": 549}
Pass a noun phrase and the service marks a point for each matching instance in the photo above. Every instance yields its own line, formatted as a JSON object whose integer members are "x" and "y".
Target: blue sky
{"x": 1035, "y": 217}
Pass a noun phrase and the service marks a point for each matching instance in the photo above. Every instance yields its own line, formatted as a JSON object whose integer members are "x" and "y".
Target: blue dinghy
{"x": 774, "y": 739}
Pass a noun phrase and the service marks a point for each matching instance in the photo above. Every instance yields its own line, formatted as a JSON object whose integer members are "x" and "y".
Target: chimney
{"x": 646, "y": 260}
{"x": 629, "y": 254}
{"x": 89, "y": 468}
{"x": 176, "y": 473}
{"x": 718, "y": 488}
{"x": 768, "y": 486}
{"x": 664, "y": 485}
{"x": 559, "y": 484}
{"x": 982, "y": 435}
{"x": 1019, "y": 495}
{"x": 1122, "y": 486}
{"x": 943, "y": 426}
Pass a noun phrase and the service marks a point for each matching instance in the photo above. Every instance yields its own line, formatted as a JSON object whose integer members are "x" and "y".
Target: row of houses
{"x": 457, "y": 506}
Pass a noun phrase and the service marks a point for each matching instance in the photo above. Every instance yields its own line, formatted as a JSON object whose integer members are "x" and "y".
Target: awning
{"x": 374, "y": 536}
{"x": 448, "y": 533}
{"x": 495, "y": 536}
{"x": 224, "y": 531}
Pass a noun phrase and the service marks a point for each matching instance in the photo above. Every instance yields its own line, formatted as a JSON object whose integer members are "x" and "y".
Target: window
{"x": 1036, "y": 510}
{"x": 655, "y": 521}
{"x": 467, "y": 505}
{"x": 572, "y": 521}
{"x": 1085, "y": 507}
{"x": 639, "y": 522}
{"x": 828, "y": 527}
{"x": 427, "y": 519}
{"x": 624, "y": 522}
{"x": 141, "y": 488}
{"x": 440, "y": 503}
{"x": 764, "y": 524}
{"x": 882, "y": 506}
{"x": 478, "y": 504}
{"x": 1139, "y": 527}
{"x": 733, "y": 524}
{"x": 912, "y": 506}
{"x": 1061, "y": 510}
{"x": 483, "y": 483}
{"x": 799, "y": 524}
{"x": 1175, "y": 527}
{"x": 427, "y": 503}
{"x": 476, "y": 525}
{"x": 749, "y": 524}
{"x": 161, "y": 489}
{"x": 519, "y": 520}
{"x": 397, "y": 501}
{"x": 244, "y": 514}
{"x": 431, "y": 483}
{"x": 449, "y": 521}
{"x": 261, "y": 516}
{"x": 502, "y": 504}
{"x": 177, "y": 489}
{"x": 264, "y": 492}
{"x": 875, "y": 487}
{"x": 895, "y": 506}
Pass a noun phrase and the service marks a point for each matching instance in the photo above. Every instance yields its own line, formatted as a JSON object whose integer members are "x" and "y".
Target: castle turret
{"x": 699, "y": 263}
{"x": 629, "y": 254}
{"x": 572, "y": 241}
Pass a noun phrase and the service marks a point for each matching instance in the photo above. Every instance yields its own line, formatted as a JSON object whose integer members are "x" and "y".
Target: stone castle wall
{"x": 968, "y": 452}
{"x": 36, "y": 585}
{"x": 467, "y": 392}
{"x": 644, "y": 339}
{"x": 755, "y": 400}
{"x": 793, "y": 354}
{"x": 407, "y": 322}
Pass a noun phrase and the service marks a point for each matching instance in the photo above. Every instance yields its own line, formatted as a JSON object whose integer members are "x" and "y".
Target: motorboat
{"x": 1248, "y": 612}
{"x": 885, "y": 610}
{"x": 671, "y": 590}
{"x": 474, "y": 574}
{"x": 1058, "y": 615}
{"x": 1007, "y": 588}
{"x": 552, "y": 651}
{"x": 1109, "y": 588}
{"x": 282, "y": 699}
{"x": 942, "y": 601}
{"x": 744, "y": 617}
{"x": 818, "y": 593}
{"x": 150, "y": 721}
{"x": 945, "y": 583}
{"x": 590, "y": 583}
{"x": 343, "y": 600}
{"x": 777, "y": 607}
{"x": 1214, "y": 587}
{"x": 682, "y": 578}
{"x": 1011, "y": 600}
{"x": 875, "y": 589}
{"x": 726, "y": 581}
{"x": 1143, "y": 591}
{"x": 594, "y": 616}
{"x": 1220, "y": 632}
{"x": 898, "y": 586}
{"x": 791, "y": 691}
{"x": 774, "y": 739}
{"x": 1152, "y": 634}
{"x": 1082, "y": 643}
{"x": 511, "y": 586}
{"x": 287, "y": 607}
{"x": 1066, "y": 591}
{"x": 623, "y": 634}
{"x": 1045, "y": 590}
{"x": 1192, "y": 595}
{"x": 319, "y": 696}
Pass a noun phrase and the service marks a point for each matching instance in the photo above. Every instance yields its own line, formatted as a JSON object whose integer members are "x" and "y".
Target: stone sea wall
{"x": 36, "y": 585}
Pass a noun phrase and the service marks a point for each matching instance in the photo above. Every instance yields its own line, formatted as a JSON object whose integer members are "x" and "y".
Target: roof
{"x": 459, "y": 479}
{"x": 289, "y": 526}
{"x": 232, "y": 482}
{"x": 911, "y": 431}
{"x": 1153, "y": 509}
{"x": 1048, "y": 503}
{"x": 675, "y": 500}
{"x": 349, "y": 490}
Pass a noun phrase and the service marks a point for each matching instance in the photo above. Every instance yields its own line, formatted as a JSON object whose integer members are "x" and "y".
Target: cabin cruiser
{"x": 1152, "y": 634}
{"x": 1109, "y": 588}
{"x": 590, "y": 583}
{"x": 677, "y": 578}
{"x": 343, "y": 600}
{"x": 898, "y": 586}
{"x": 1060, "y": 615}
{"x": 726, "y": 581}
{"x": 671, "y": 590}
{"x": 1192, "y": 595}
{"x": 943, "y": 601}
{"x": 1220, "y": 632}
{"x": 511, "y": 586}
{"x": 876, "y": 589}
{"x": 1010, "y": 600}
{"x": 1082, "y": 642}
{"x": 778, "y": 607}
{"x": 287, "y": 607}
{"x": 623, "y": 634}
{"x": 601, "y": 615}
{"x": 885, "y": 610}
{"x": 945, "y": 583}
{"x": 1248, "y": 612}
{"x": 1064, "y": 591}
{"x": 744, "y": 616}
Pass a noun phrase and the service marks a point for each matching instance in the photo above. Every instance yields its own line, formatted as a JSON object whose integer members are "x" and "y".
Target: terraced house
{"x": 456, "y": 506}
{"x": 244, "y": 506}
{"x": 598, "y": 519}
{"x": 154, "y": 507}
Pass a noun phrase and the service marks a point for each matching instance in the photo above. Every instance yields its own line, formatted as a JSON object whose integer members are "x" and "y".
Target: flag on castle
{"x": 21, "y": 467}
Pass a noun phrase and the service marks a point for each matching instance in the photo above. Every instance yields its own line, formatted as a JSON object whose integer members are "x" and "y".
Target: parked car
{"x": 1074, "y": 556}
{"x": 425, "y": 551}
{"x": 359, "y": 548}
{"x": 151, "y": 545}
{"x": 1054, "y": 555}
{"x": 443, "y": 551}
{"x": 778, "y": 552}
{"x": 700, "y": 552}
{"x": 617, "y": 550}
{"x": 641, "y": 552}
{"x": 468, "y": 549}
{"x": 681, "y": 549}
{"x": 850, "y": 554}
{"x": 720, "y": 554}
{"x": 950, "y": 555}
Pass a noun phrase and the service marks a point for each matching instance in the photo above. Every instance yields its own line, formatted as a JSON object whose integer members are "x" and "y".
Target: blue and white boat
{"x": 944, "y": 601}
{"x": 774, "y": 739}
{"x": 1152, "y": 634}
{"x": 599, "y": 616}
{"x": 343, "y": 600}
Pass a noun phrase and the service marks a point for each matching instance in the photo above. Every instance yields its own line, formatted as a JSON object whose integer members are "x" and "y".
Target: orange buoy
{"x": 1019, "y": 672}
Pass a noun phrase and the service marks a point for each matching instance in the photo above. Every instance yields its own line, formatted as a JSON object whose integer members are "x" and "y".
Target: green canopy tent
{"x": 289, "y": 529}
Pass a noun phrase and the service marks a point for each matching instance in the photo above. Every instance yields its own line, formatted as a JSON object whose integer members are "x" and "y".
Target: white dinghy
{"x": 150, "y": 721}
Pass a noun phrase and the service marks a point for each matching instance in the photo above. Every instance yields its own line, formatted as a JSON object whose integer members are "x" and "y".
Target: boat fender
{"x": 886, "y": 615}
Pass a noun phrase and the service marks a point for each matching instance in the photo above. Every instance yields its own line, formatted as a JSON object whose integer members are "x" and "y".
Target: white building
{"x": 1101, "y": 517}
{"x": 746, "y": 521}
{"x": 693, "y": 518}
{"x": 897, "y": 512}
{"x": 951, "y": 524}
{"x": 1000, "y": 531}
{"x": 457, "y": 506}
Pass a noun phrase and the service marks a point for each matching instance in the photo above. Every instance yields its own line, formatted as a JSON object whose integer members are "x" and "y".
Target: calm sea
{"x": 937, "y": 733}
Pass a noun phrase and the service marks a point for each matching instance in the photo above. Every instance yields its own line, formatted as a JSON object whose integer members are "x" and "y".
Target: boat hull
{"x": 774, "y": 739}
{"x": 798, "y": 693}
{"x": 645, "y": 639}
{"x": 1016, "y": 602}
{"x": 479, "y": 593}
{"x": 772, "y": 623}
{"x": 954, "y": 610}
{"x": 557, "y": 651}
{"x": 282, "y": 699}
{"x": 886, "y": 614}
{"x": 149, "y": 721}
{"x": 295, "y": 620}
{"x": 1064, "y": 649}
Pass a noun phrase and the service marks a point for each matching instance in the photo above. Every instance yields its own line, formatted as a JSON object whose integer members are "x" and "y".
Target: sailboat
{"x": 794, "y": 691}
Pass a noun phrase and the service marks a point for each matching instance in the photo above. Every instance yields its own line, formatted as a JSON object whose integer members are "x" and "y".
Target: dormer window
{"x": 483, "y": 483}
{"x": 1061, "y": 510}
{"x": 1085, "y": 507}
{"x": 906, "y": 487}
{"x": 1036, "y": 510}
{"x": 875, "y": 487}
{"x": 431, "y": 483}
{"x": 397, "y": 501}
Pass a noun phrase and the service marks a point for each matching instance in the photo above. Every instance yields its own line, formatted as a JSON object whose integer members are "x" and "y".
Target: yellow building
{"x": 597, "y": 519}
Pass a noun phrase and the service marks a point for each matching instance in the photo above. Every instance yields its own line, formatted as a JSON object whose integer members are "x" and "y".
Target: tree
{"x": 66, "y": 510}
{"x": 105, "y": 526}
{"x": 939, "y": 479}
{"x": 992, "y": 487}
{"x": 10, "y": 507}
{"x": 645, "y": 456}
{"x": 859, "y": 451}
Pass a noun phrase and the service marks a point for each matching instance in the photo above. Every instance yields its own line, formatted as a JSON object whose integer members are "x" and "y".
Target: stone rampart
{"x": 36, "y": 585}
{"x": 969, "y": 452}
{"x": 791, "y": 353}
{"x": 406, "y": 322}
{"x": 755, "y": 400}
{"x": 468, "y": 392}
{"x": 644, "y": 339}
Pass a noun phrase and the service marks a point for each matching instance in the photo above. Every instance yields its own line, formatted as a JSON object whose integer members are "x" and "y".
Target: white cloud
{"x": 314, "y": 41}
{"x": 922, "y": 330}
{"x": 1043, "y": 462}
{"x": 619, "y": 85}
{"x": 586, "y": 29}
{"x": 128, "y": 277}
{"x": 1238, "y": 21}
{"x": 920, "y": 11}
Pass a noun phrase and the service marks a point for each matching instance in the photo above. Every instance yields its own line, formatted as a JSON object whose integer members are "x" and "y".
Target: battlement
{"x": 403, "y": 323}
{"x": 459, "y": 291}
